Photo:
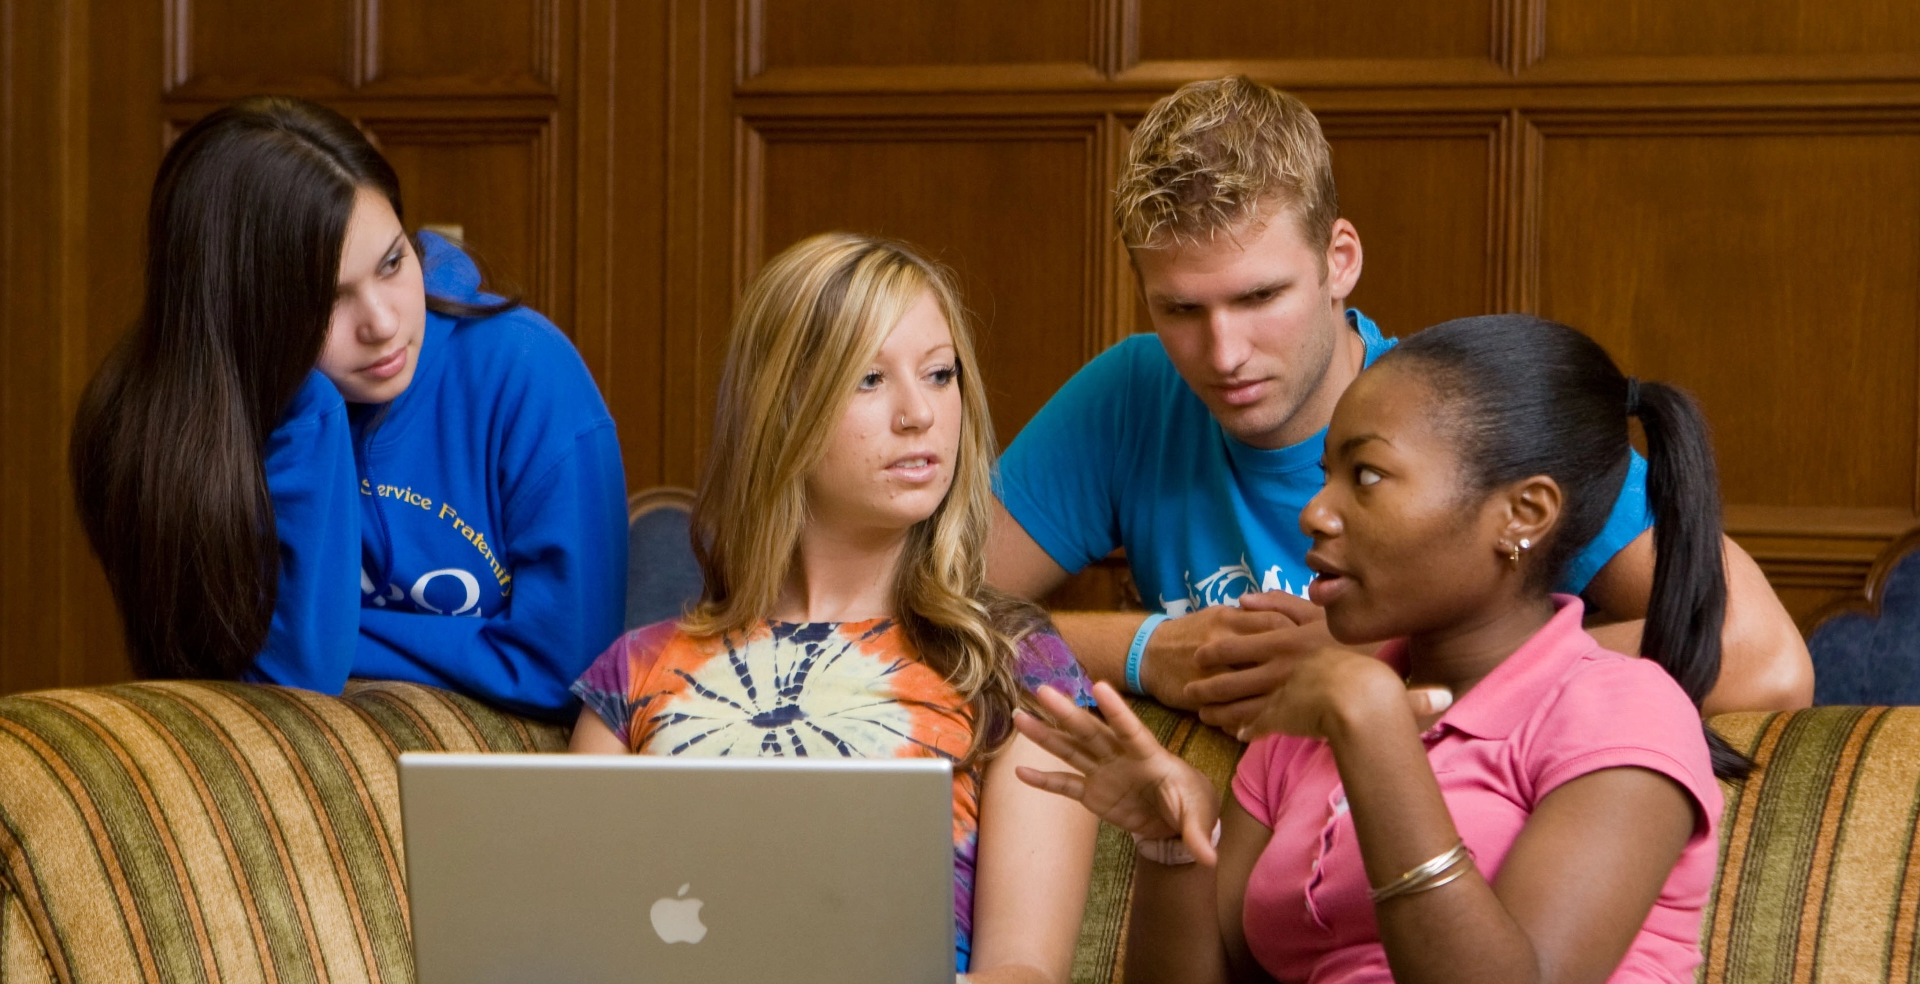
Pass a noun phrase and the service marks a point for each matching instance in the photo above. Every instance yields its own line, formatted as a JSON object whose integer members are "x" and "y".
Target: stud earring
{"x": 1513, "y": 553}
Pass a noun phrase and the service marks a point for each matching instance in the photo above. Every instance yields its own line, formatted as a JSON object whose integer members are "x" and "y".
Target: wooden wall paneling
{"x": 1011, "y": 205}
{"x": 1737, "y": 255}
{"x": 42, "y": 212}
{"x": 1730, "y": 27}
{"x": 496, "y": 178}
{"x": 788, "y": 33}
{"x": 1427, "y": 195}
{"x": 1813, "y": 557}
{"x": 469, "y": 47}
{"x": 619, "y": 222}
{"x": 222, "y": 49}
{"x": 1754, "y": 41}
{"x": 704, "y": 173}
{"x": 1259, "y": 30}
{"x": 884, "y": 46}
{"x": 1365, "y": 44}
{"x": 124, "y": 147}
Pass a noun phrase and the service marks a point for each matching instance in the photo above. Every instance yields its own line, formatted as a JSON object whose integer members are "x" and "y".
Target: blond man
{"x": 1195, "y": 447}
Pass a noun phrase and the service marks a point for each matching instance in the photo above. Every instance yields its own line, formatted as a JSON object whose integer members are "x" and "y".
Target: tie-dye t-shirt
{"x": 809, "y": 689}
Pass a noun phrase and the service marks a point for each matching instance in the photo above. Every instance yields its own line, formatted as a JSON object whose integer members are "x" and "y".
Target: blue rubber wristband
{"x": 1138, "y": 651}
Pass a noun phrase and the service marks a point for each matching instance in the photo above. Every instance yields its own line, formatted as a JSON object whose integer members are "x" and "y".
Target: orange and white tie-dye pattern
{"x": 824, "y": 689}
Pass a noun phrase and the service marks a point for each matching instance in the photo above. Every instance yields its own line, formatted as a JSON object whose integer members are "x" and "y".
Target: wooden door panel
{"x": 1261, "y": 30}
{"x": 1775, "y": 275}
{"x": 492, "y": 179}
{"x": 794, "y": 33}
{"x": 232, "y": 47}
{"x": 1421, "y": 207}
{"x": 1008, "y": 210}
{"x": 1601, "y": 28}
{"x": 463, "y": 45}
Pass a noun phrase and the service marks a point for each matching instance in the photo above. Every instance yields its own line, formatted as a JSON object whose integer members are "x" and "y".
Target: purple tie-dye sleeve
{"x": 606, "y": 684}
{"x": 1044, "y": 659}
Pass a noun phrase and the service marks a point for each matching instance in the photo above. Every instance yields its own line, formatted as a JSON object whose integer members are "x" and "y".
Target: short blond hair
{"x": 1209, "y": 157}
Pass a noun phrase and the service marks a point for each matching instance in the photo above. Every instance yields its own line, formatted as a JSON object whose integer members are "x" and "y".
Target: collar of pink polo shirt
{"x": 1515, "y": 688}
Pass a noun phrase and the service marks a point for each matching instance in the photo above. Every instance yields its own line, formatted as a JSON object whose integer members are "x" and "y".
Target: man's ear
{"x": 1344, "y": 259}
{"x": 1532, "y": 507}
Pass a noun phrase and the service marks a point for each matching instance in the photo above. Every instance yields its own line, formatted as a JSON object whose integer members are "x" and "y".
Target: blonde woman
{"x": 841, "y": 529}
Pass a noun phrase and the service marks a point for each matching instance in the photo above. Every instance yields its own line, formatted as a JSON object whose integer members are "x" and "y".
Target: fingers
{"x": 1065, "y": 784}
{"x": 1125, "y": 727}
{"x": 1261, "y": 647}
{"x": 1233, "y": 621}
{"x": 1057, "y": 743}
{"x": 1297, "y": 609}
{"x": 1429, "y": 700}
{"x": 1188, "y": 809}
{"x": 1199, "y": 838}
{"x": 1233, "y": 718}
{"x": 1237, "y": 685}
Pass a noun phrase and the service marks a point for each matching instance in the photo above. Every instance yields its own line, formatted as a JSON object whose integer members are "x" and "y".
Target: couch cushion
{"x": 1819, "y": 879}
{"x": 218, "y": 831}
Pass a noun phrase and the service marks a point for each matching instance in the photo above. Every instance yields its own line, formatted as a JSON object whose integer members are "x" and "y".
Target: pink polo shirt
{"x": 1558, "y": 708}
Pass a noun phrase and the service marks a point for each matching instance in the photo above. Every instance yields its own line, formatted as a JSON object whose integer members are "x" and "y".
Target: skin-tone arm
{"x": 591, "y": 736}
{"x": 1616, "y": 834}
{"x": 1764, "y": 665}
{"x": 1031, "y": 875}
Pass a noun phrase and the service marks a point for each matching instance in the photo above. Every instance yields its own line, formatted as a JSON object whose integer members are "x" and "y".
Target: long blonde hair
{"x": 806, "y": 330}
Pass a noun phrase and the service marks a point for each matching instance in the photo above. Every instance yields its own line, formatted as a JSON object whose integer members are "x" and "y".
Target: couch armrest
{"x": 221, "y": 831}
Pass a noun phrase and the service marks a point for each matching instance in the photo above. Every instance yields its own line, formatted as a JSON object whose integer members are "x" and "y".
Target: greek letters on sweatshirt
{"x": 491, "y": 514}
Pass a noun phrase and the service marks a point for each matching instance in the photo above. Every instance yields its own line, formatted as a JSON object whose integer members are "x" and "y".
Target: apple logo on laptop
{"x": 677, "y": 919}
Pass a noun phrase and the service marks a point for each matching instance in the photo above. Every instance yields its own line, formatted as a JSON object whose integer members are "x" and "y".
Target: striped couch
{"x": 215, "y": 832}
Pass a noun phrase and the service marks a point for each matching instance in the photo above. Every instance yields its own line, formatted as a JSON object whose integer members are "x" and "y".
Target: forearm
{"x": 1764, "y": 665}
{"x": 1173, "y": 931}
{"x": 1099, "y": 640}
{"x": 1453, "y": 934}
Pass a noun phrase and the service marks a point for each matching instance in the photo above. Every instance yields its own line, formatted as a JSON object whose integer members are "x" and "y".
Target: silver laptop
{"x": 583, "y": 869}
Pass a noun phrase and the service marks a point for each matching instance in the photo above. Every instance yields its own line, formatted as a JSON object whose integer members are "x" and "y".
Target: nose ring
{"x": 903, "y": 421}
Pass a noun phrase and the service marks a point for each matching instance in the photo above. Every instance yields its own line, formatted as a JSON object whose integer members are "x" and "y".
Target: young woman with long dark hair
{"x": 324, "y": 451}
{"x": 1496, "y": 797}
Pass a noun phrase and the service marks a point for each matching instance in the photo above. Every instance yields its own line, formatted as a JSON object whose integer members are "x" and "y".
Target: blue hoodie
{"x": 491, "y": 516}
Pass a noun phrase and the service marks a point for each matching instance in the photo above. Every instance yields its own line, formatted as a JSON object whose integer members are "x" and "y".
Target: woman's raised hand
{"x": 1126, "y": 778}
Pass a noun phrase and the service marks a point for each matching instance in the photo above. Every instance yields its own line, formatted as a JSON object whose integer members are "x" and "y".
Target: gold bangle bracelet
{"x": 1442, "y": 868}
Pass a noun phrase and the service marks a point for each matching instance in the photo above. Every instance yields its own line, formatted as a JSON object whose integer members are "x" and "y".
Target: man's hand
{"x": 1239, "y": 656}
{"x": 1170, "y": 663}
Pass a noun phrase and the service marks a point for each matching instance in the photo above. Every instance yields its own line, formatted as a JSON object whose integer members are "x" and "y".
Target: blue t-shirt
{"x": 1125, "y": 454}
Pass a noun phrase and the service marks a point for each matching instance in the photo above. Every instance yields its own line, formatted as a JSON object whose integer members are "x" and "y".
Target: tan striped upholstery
{"x": 224, "y": 832}
{"x": 1820, "y": 879}
{"x": 217, "y": 832}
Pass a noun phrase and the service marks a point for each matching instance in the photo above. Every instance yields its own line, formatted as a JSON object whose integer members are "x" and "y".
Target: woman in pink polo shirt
{"x": 1494, "y": 797}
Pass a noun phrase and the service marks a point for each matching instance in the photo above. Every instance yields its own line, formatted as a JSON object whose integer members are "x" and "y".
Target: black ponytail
{"x": 1689, "y": 601}
{"x": 1527, "y": 396}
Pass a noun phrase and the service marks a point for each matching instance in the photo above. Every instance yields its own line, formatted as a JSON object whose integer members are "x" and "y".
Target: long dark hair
{"x": 1526, "y": 396}
{"x": 244, "y": 233}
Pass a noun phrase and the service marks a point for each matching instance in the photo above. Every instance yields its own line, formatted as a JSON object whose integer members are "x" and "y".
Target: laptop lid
{"x": 586, "y": 869}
